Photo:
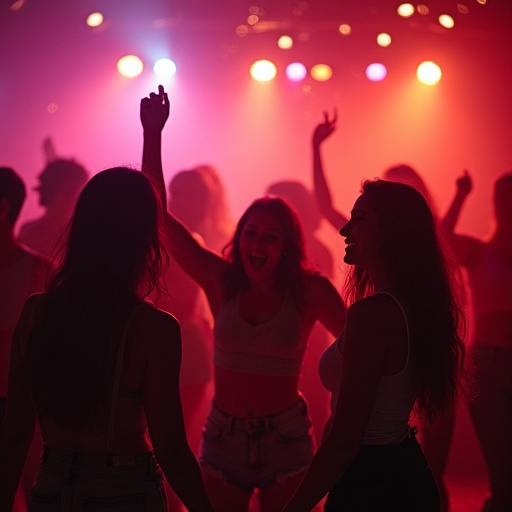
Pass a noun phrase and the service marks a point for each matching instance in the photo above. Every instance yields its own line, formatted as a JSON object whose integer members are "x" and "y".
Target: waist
{"x": 260, "y": 423}
{"x": 62, "y": 462}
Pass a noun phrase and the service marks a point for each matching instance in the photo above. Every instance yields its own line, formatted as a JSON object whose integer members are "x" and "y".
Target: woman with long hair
{"x": 265, "y": 300}
{"x": 400, "y": 349}
{"x": 98, "y": 366}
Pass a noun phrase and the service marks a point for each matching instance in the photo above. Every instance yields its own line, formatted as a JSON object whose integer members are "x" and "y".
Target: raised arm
{"x": 322, "y": 193}
{"x": 203, "y": 265}
{"x": 466, "y": 249}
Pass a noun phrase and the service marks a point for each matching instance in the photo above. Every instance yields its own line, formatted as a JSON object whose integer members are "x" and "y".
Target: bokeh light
{"x": 446, "y": 21}
{"x": 164, "y": 68}
{"x": 376, "y": 72}
{"x": 263, "y": 70}
{"x": 405, "y": 10}
{"x": 345, "y": 29}
{"x": 383, "y": 39}
{"x": 296, "y": 71}
{"x": 94, "y": 19}
{"x": 321, "y": 72}
{"x": 285, "y": 42}
{"x": 428, "y": 73}
{"x": 130, "y": 66}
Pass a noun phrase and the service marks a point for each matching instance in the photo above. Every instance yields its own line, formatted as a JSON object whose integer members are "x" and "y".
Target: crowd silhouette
{"x": 157, "y": 355}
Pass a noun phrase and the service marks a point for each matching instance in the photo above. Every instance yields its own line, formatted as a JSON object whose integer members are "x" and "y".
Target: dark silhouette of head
{"x": 13, "y": 190}
{"x": 406, "y": 174}
{"x": 301, "y": 200}
{"x": 113, "y": 240}
{"x": 502, "y": 199}
{"x": 61, "y": 180}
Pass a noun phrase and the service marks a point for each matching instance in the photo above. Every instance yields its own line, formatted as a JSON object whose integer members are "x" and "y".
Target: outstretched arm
{"x": 322, "y": 193}
{"x": 465, "y": 248}
{"x": 204, "y": 266}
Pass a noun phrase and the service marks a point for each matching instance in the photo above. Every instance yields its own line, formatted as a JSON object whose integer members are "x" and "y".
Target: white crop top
{"x": 275, "y": 347}
{"x": 394, "y": 400}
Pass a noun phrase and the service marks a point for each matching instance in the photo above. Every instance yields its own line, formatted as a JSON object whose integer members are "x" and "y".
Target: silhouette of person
{"x": 489, "y": 267}
{"x": 265, "y": 301}
{"x": 305, "y": 206}
{"x": 435, "y": 438}
{"x": 400, "y": 347}
{"x": 22, "y": 273}
{"x": 99, "y": 366}
{"x": 60, "y": 182}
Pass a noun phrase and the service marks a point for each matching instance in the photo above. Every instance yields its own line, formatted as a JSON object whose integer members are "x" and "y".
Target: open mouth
{"x": 257, "y": 261}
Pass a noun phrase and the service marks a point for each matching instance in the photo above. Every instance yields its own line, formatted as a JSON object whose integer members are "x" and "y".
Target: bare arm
{"x": 364, "y": 354}
{"x": 466, "y": 249}
{"x": 18, "y": 426}
{"x": 203, "y": 265}
{"x": 329, "y": 307}
{"x": 161, "y": 335}
{"x": 322, "y": 193}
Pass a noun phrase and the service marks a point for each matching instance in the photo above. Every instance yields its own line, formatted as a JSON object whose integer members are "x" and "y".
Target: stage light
{"x": 94, "y": 19}
{"x": 428, "y": 73}
{"x": 345, "y": 29}
{"x": 446, "y": 21}
{"x": 405, "y": 10}
{"x": 130, "y": 66}
{"x": 376, "y": 72}
{"x": 164, "y": 68}
{"x": 321, "y": 72}
{"x": 383, "y": 39}
{"x": 263, "y": 70}
{"x": 285, "y": 42}
{"x": 296, "y": 71}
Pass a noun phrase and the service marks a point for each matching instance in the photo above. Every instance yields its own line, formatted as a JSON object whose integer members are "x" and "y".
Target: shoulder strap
{"x": 117, "y": 377}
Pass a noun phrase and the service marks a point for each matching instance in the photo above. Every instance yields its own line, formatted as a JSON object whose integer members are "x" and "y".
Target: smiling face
{"x": 262, "y": 245}
{"x": 363, "y": 235}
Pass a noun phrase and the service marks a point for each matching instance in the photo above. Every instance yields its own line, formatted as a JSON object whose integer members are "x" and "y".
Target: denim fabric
{"x": 75, "y": 483}
{"x": 259, "y": 452}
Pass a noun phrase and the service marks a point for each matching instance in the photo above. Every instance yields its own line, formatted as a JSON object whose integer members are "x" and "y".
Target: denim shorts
{"x": 76, "y": 483}
{"x": 258, "y": 452}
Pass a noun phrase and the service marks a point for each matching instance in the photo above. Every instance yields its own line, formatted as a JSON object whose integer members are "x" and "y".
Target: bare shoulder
{"x": 378, "y": 314}
{"x": 152, "y": 324}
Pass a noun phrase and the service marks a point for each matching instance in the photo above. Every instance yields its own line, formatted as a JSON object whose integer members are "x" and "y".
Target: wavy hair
{"x": 113, "y": 258}
{"x": 417, "y": 267}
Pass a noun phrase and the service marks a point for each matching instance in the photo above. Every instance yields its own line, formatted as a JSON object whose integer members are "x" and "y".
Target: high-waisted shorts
{"x": 257, "y": 452}
{"x": 77, "y": 483}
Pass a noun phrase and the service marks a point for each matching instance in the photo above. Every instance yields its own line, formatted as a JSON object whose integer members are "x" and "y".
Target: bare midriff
{"x": 494, "y": 329}
{"x": 247, "y": 395}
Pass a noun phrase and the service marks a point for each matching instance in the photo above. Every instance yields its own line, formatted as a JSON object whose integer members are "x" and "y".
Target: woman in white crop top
{"x": 489, "y": 267}
{"x": 400, "y": 347}
{"x": 265, "y": 301}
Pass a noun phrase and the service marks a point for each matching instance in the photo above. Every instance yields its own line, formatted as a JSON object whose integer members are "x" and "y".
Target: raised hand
{"x": 464, "y": 184}
{"x": 324, "y": 130}
{"x": 154, "y": 111}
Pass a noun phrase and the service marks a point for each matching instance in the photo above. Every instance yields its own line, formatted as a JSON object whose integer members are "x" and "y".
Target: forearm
{"x": 324, "y": 472}
{"x": 322, "y": 192}
{"x": 184, "y": 477}
{"x": 449, "y": 221}
{"x": 152, "y": 162}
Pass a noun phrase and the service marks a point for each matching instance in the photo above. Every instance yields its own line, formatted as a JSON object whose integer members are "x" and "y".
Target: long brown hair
{"x": 113, "y": 258}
